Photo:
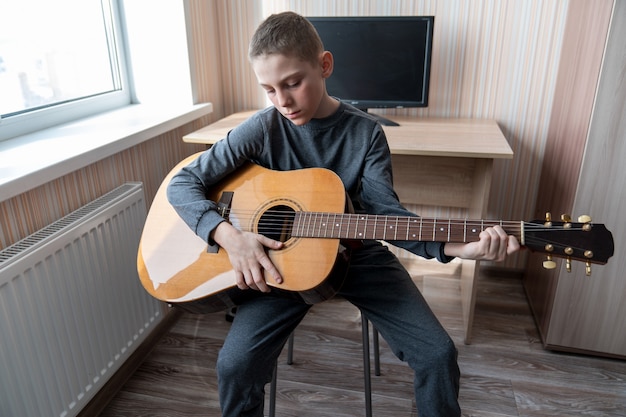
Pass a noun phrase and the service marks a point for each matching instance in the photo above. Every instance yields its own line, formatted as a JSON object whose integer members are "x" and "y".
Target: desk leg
{"x": 469, "y": 271}
{"x": 469, "y": 275}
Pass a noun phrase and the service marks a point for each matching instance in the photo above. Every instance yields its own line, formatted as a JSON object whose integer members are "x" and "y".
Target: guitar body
{"x": 178, "y": 267}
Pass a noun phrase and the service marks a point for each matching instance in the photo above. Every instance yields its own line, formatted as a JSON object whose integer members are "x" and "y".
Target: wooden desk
{"x": 436, "y": 162}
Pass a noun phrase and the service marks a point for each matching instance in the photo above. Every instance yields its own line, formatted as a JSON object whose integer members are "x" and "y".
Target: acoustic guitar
{"x": 305, "y": 209}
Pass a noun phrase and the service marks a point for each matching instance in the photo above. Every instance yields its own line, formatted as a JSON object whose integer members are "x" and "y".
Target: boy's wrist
{"x": 222, "y": 233}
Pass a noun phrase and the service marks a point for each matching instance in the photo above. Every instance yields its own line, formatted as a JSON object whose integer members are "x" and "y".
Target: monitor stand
{"x": 381, "y": 119}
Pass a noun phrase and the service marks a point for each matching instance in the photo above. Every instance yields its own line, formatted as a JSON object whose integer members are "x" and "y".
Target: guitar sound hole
{"x": 277, "y": 223}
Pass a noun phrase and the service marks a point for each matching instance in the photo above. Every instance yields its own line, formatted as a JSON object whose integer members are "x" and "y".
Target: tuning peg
{"x": 567, "y": 221}
{"x": 584, "y": 219}
{"x": 548, "y": 222}
{"x": 549, "y": 263}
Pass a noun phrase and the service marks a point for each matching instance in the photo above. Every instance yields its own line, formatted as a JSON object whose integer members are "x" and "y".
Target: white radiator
{"x": 72, "y": 308}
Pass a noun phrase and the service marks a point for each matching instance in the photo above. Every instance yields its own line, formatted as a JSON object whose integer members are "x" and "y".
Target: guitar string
{"x": 276, "y": 219}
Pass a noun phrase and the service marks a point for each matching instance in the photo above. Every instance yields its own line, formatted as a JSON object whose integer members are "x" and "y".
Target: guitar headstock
{"x": 581, "y": 241}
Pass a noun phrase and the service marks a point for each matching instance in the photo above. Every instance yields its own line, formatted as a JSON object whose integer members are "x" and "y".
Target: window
{"x": 59, "y": 61}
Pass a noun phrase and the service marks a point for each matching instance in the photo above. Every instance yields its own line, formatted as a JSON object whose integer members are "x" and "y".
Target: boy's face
{"x": 296, "y": 88}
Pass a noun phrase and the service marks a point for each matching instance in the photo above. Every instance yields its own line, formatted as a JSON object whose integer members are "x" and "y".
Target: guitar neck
{"x": 361, "y": 226}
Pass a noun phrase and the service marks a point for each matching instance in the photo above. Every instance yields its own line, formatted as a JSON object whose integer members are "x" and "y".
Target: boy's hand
{"x": 494, "y": 245}
{"x": 248, "y": 257}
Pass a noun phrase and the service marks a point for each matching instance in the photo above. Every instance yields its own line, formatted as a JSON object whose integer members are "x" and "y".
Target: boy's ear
{"x": 327, "y": 62}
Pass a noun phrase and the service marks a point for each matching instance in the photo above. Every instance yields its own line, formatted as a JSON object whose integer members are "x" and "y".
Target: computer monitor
{"x": 380, "y": 62}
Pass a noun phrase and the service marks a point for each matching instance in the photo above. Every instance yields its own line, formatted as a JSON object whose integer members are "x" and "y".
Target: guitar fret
{"x": 413, "y": 235}
{"x": 316, "y": 224}
{"x": 348, "y": 221}
{"x": 343, "y": 233}
{"x": 465, "y": 230}
{"x": 349, "y": 232}
{"x": 302, "y": 224}
{"x": 421, "y": 227}
{"x": 308, "y": 226}
{"x": 434, "y": 229}
{"x": 313, "y": 225}
{"x": 364, "y": 234}
{"x": 395, "y": 233}
{"x": 408, "y": 227}
{"x": 375, "y": 226}
{"x": 361, "y": 232}
{"x": 340, "y": 221}
{"x": 296, "y": 224}
{"x": 320, "y": 224}
{"x": 337, "y": 226}
{"x": 340, "y": 226}
{"x": 440, "y": 231}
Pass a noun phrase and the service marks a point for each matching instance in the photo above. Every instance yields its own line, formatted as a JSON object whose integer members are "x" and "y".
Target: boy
{"x": 308, "y": 128}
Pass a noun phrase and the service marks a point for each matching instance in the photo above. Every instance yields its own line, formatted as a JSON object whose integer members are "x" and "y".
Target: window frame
{"x": 57, "y": 114}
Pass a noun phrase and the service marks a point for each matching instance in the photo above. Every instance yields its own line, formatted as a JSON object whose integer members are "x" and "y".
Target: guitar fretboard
{"x": 361, "y": 226}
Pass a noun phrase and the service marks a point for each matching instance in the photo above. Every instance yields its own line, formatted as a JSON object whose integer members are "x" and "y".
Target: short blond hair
{"x": 288, "y": 34}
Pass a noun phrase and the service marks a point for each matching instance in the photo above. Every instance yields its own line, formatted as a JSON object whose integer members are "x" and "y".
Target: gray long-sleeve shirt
{"x": 349, "y": 142}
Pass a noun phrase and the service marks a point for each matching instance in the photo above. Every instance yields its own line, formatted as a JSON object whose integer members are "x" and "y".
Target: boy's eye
{"x": 293, "y": 85}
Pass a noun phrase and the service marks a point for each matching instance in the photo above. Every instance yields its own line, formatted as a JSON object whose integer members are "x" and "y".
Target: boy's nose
{"x": 284, "y": 99}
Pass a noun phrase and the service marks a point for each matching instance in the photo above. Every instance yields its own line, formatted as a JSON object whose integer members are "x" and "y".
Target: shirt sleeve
{"x": 187, "y": 190}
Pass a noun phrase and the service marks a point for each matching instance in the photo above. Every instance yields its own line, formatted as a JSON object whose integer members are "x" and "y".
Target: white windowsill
{"x": 32, "y": 160}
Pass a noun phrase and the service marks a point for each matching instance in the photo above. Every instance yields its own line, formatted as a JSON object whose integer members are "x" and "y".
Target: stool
{"x": 366, "y": 367}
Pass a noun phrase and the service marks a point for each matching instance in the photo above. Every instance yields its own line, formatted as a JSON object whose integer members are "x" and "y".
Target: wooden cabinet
{"x": 575, "y": 312}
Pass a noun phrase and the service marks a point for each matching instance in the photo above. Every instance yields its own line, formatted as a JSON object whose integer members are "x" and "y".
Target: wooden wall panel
{"x": 575, "y": 90}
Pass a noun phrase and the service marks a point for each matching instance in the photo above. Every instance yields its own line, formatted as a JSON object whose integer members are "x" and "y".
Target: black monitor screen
{"x": 380, "y": 62}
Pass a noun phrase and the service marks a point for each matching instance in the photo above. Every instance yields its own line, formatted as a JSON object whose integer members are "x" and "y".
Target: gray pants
{"x": 382, "y": 289}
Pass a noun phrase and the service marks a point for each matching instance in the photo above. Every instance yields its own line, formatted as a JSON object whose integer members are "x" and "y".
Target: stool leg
{"x": 376, "y": 351}
{"x": 273, "y": 391}
{"x": 290, "y": 349}
{"x": 366, "y": 366}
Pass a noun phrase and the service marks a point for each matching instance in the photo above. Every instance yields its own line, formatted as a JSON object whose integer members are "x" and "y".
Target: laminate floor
{"x": 505, "y": 371}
